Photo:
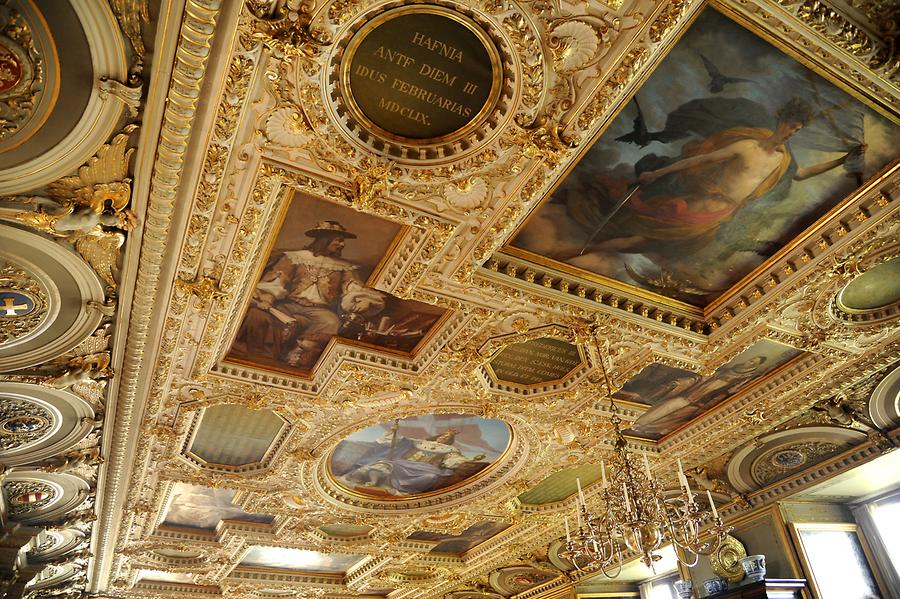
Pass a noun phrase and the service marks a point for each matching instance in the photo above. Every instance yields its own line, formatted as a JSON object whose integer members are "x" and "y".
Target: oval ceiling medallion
{"x": 421, "y": 81}
{"x": 45, "y": 291}
{"x": 29, "y": 77}
{"x": 877, "y": 289}
{"x": 416, "y": 456}
{"x": 422, "y": 74}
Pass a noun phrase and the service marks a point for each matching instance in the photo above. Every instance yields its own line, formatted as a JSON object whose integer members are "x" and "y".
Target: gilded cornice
{"x": 195, "y": 35}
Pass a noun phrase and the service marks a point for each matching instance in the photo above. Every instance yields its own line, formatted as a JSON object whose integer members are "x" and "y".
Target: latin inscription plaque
{"x": 535, "y": 362}
{"x": 421, "y": 74}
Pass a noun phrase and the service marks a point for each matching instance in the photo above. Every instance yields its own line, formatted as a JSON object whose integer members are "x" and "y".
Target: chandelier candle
{"x": 639, "y": 515}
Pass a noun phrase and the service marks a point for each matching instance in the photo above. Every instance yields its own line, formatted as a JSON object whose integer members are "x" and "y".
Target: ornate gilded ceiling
{"x": 335, "y": 318}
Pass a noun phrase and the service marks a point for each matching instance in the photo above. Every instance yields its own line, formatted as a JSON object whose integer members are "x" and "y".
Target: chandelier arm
{"x": 689, "y": 564}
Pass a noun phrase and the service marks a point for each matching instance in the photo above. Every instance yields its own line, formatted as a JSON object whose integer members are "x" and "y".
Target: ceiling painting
{"x": 728, "y": 151}
{"x": 418, "y": 455}
{"x": 458, "y": 544}
{"x": 676, "y": 396}
{"x": 298, "y": 559}
{"x": 314, "y": 288}
{"x": 193, "y": 506}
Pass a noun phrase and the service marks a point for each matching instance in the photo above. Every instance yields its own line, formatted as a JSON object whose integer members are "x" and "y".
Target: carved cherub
{"x": 837, "y": 410}
{"x": 75, "y": 376}
{"x": 73, "y": 519}
{"x": 372, "y": 183}
{"x": 72, "y": 460}
{"x": 701, "y": 476}
{"x": 88, "y": 210}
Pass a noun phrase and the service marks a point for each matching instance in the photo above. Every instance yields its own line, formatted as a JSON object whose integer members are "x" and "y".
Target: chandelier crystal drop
{"x": 638, "y": 515}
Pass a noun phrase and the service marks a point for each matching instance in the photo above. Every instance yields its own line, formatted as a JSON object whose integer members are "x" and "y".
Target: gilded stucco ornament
{"x": 133, "y": 15}
{"x": 22, "y": 423}
{"x": 88, "y": 210}
{"x": 26, "y": 496}
{"x": 270, "y": 115}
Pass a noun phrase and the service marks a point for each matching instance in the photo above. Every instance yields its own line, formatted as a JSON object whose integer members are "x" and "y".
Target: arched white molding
{"x": 71, "y": 421}
{"x": 70, "y": 282}
{"x": 101, "y": 116}
{"x": 884, "y": 405}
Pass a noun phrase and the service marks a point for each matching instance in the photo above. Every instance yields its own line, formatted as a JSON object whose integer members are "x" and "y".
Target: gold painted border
{"x": 513, "y": 441}
{"x": 813, "y": 586}
{"x": 839, "y": 80}
{"x": 287, "y": 198}
{"x": 360, "y": 35}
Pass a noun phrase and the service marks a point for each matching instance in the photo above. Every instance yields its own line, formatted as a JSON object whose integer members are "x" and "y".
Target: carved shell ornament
{"x": 285, "y": 127}
{"x": 574, "y": 45}
{"x": 466, "y": 194}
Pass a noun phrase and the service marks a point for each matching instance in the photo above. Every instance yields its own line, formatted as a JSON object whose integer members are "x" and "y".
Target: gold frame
{"x": 360, "y": 35}
{"x": 797, "y": 527}
{"x": 833, "y": 77}
{"x": 286, "y": 200}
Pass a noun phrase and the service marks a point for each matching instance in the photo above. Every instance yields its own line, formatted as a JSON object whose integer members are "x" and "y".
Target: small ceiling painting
{"x": 315, "y": 288}
{"x": 232, "y": 435}
{"x": 418, "y": 455}
{"x": 160, "y": 576}
{"x": 463, "y": 542}
{"x": 299, "y": 559}
{"x": 345, "y": 530}
{"x": 678, "y": 396}
{"x": 194, "y": 506}
{"x": 518, "y": 579}
{"x": 536, "y": 362}
{"x": 561, "y": 485}
{"x": 727, "y": 152}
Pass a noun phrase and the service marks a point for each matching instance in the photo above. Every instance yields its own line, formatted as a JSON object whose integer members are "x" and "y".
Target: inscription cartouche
{"x": 421, "y": 74}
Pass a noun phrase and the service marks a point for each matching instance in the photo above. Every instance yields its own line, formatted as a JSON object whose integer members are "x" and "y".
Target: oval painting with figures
{"x": 419, "y": 455}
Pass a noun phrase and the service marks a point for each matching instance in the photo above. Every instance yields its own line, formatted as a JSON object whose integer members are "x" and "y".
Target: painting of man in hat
{"x": 303, "y": 294}
{"x": 314, "y": 288}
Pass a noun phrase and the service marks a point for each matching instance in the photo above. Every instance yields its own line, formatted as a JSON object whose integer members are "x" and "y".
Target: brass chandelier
{"x": 639, "y": 514}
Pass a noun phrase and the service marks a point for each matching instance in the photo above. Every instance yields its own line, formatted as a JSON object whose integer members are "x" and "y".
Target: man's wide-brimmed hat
{"x": 330, "y": 228}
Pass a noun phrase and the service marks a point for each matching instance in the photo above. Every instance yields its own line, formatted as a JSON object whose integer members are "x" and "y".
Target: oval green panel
{"x": 876, "y": 288}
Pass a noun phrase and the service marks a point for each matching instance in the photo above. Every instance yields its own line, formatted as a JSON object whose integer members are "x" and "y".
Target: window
{"x": 886, "y": 516}
{"x": 661, "y": 588}
{"x": 836, "y": 561}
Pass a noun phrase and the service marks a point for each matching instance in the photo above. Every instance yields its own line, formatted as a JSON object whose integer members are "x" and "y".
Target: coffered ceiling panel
{"x": 386, "y": 272}
{"x": 235, "y": 435}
